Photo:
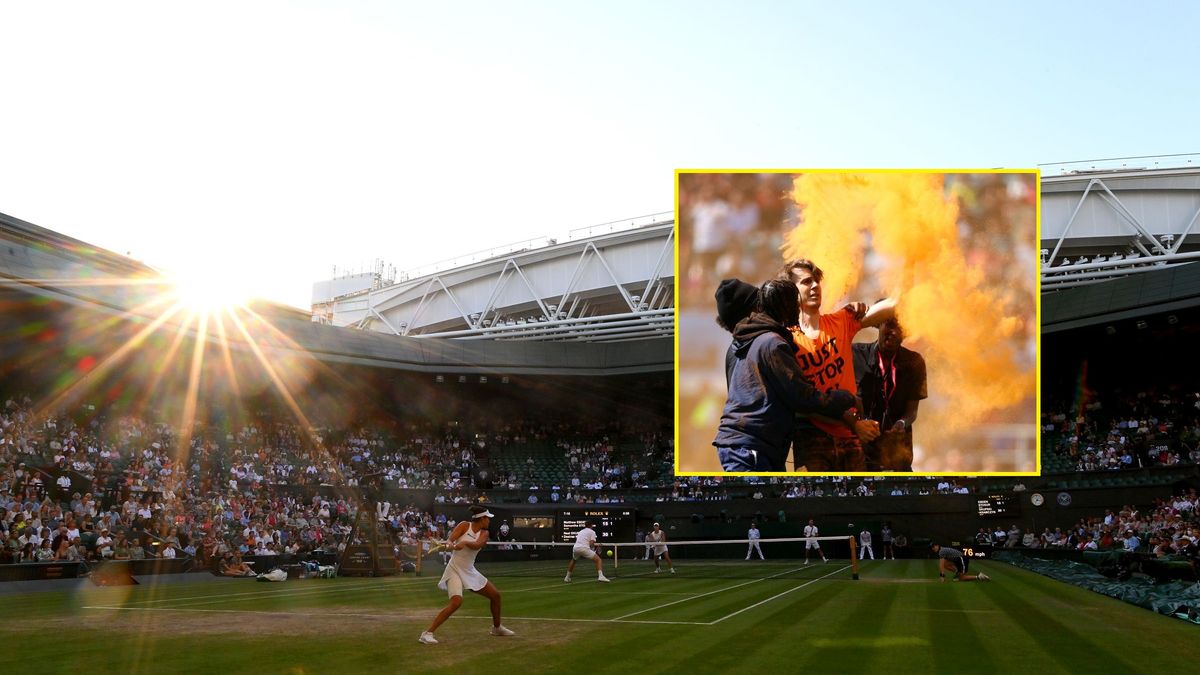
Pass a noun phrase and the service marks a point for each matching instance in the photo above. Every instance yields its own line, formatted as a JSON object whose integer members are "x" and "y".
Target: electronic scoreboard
{"x": 613, "y": 525}
{"x": 998, "y": 506}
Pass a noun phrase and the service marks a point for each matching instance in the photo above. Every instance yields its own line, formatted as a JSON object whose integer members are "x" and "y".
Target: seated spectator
{"x": 1014, "y": 537}
{"x": 121, "y": 548}
{"x": 232, "y": 566}
{"x": 1131, "y": 541}
{"x": 43, "y": 552}
{"x": 104, "y": 545}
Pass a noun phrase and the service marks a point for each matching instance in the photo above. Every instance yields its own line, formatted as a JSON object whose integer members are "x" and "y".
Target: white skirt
{"x": 456, "y": 578}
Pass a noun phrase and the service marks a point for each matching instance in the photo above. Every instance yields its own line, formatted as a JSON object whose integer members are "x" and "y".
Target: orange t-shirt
{"x": 828, "y": 360}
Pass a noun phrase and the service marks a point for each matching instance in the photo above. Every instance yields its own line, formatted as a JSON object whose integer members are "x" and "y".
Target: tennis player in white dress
{"x": 466, "y": 541}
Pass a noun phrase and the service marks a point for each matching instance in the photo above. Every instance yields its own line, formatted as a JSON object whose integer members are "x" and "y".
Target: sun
{"x": 208, "y": 293}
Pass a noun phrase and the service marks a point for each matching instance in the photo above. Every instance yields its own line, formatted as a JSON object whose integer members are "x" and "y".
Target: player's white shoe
{"x": 603, "y": 579}
{"x": 672, "y": 570}
{"x": 567, "y": 578}
{"x": 805, "y": 562}
{"x": 427, "y": 639}
{"x": 656, "y": 570}
{"x": 501, "y": 631}
{"x": 984, "y": 577}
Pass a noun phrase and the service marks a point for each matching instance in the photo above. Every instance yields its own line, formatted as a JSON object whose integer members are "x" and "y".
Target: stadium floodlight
{"x": 440, "y": 379}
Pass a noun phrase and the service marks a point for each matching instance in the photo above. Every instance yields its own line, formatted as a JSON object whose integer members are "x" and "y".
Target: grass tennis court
{"x": 772, "y": 616}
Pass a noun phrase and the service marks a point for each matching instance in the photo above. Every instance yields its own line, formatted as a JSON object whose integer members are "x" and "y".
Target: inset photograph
{"x": 857, "y": 322}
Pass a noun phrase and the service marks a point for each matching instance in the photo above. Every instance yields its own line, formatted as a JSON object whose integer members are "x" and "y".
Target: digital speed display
{"x": 614, "y": 525}
{"x": 997, "y": 506}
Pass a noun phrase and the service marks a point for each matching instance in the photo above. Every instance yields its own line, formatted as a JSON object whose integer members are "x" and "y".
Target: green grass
{"x": 727, "y": 618}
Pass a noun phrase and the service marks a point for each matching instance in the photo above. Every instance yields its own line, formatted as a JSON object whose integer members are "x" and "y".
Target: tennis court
{"x": 713, "y": 616}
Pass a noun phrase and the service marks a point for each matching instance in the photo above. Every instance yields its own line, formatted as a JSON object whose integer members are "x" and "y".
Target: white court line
{"x": 271, "y": 592}
{"x": 610, "y": 591}
{"x": 338, "y": 589}
{"x": 701, "y": 595}
{"x": 557, "y": 584}
{"x": 778, "y": 595}
{"x": 269, "y": 595}
{"x": 376, "y": 616}
{"x": 345, "y": 588}
{"x": 311, "y": 593}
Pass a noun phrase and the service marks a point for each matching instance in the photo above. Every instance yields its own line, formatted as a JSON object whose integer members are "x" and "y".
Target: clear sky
{"x": 266, "y": 142}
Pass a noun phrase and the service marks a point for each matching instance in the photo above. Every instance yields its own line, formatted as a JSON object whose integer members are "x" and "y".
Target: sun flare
{"x": 208, "y": 293}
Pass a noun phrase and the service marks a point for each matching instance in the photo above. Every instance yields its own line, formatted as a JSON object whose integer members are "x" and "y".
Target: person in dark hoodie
{"x": 736, "y": 300}
{"x": 767, "y": 387}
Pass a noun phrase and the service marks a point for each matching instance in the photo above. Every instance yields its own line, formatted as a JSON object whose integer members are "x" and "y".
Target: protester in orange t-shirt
{"x": 826, "y": 358}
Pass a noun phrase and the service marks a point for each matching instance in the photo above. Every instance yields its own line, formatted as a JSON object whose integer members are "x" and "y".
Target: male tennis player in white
{"x": 466, "y": 540}
{"x": 585, "y": 547}
{"x": 658, "y": 539}
{"x": 754, "y": 535}
{"x": 811, "y": 532}
{"x": 864, "y": 544}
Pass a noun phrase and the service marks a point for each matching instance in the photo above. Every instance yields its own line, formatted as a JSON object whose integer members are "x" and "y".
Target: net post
{"x": 853, "y": 558}
{"x": 616, "y": 559}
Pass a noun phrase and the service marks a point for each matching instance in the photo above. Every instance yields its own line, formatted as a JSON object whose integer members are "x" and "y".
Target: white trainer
{"x": 984, "y": 577}
{"x": 672, "y": 570}
{"x": 657, "y": 571}
{"x": 603, "y": 579}
{"x": 501, "y": 631}
{"x": 567, "y": 578}
{"x": 427, "y": 639}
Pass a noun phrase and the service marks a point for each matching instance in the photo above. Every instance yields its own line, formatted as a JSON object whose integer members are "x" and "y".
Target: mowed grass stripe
{"x": 1056, "y": 634}
{"x": 771, "y": 638}
{"x": 854, "y": 649}
{"x": 955, "y": 641}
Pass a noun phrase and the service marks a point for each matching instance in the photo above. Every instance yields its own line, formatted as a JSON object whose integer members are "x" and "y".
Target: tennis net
{"x": 782, "y": 558}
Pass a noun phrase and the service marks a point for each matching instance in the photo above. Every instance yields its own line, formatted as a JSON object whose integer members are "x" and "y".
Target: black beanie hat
{"x": 735, "y": 301}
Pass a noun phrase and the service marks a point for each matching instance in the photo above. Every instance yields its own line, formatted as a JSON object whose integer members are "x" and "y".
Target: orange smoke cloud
{"x": 951, "y": 315}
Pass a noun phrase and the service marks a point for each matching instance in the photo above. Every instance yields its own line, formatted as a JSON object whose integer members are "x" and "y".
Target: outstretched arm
{"x": 879, "y": 312}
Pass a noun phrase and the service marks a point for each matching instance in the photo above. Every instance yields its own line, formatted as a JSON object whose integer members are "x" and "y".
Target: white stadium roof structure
{"x": 601, "y": 305}
{"x": 612, "y": 287}
{"x": 1120, "y": 239}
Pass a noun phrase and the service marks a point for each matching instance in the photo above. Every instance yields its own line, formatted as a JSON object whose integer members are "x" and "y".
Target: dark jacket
{"x": 910, "y": 384}
{"x": 767, "y": 389}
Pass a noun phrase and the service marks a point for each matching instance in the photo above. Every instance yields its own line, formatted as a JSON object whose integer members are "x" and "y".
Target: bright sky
{"x": 266, "y": 142}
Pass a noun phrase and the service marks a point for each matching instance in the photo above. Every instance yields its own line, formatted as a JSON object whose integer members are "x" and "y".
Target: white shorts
{"x": 578, "y": 553}
{"x": 812, "y": 543}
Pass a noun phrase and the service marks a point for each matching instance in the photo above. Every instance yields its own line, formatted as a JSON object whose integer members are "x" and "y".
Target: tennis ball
{"x": 609, "y": 554}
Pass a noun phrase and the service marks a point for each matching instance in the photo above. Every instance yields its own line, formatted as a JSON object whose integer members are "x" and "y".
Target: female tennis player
{"x": 466, "y": 540}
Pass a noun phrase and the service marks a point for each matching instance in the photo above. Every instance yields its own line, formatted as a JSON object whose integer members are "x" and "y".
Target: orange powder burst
{"x": 950, "y": 314}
